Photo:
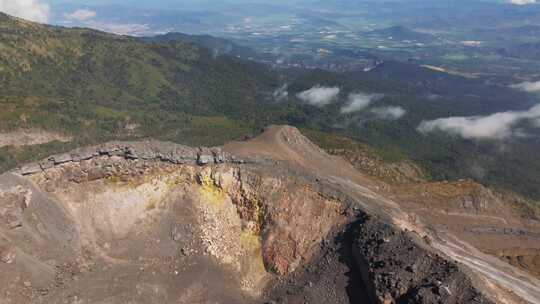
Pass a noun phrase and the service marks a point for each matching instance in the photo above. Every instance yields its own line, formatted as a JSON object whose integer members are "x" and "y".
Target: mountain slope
{"x": 400, "y": 33}
{"x": 93, "y": 86}
{"x": 84, "y": 80}
{"x": 218, "y": 46}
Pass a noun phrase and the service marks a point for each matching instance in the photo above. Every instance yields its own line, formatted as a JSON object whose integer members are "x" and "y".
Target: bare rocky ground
{"x": 27, "y": 137}
{"x": 271, "y": 220}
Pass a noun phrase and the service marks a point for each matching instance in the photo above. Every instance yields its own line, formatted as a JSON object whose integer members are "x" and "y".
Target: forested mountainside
{"x": 95, "y": 84}
{"x": 88, "y": 86}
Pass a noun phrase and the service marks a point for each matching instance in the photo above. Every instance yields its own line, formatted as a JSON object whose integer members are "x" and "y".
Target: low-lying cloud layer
{"x": 319, "y": 96}
{"x": 531, "y": 87}
{"x": 356, "y": 102}
{"x": 359, "y": 101}
{"x": 495, "y": 126}
{"x": 389, "y": 113}
{"x": 33, "y": 10}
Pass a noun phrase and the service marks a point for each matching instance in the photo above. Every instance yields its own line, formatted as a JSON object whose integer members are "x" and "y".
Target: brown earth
{"x": 272, "y": 220}
{"x": 28, "y": 137}
{"x": 502, "y": 224}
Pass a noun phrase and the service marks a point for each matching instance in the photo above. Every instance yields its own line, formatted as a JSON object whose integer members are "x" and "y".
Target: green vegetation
{"x": 98, "y": 87}
{"x": 512, "y": 164}
{"x": 333, "y": 141}
{"x": 11, "y": 156}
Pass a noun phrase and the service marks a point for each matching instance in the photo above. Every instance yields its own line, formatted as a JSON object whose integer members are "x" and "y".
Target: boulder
{"x": 31, "y": 169}
{"x": 62, "y": 158}
{"x": 7, "y": 254}
{"x": 46, "y": 164}
{"x": 85, "y": 154}
{"x": 205, "y": 156}
{"x": 204, "y": 159}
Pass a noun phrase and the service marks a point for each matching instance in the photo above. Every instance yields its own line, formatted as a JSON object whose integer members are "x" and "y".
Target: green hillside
{"x": 97, "y": 87}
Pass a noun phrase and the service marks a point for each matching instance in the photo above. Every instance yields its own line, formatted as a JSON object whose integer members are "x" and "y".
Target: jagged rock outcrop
{"x": 398, "y": 267}
{"x": 151, "y": 150}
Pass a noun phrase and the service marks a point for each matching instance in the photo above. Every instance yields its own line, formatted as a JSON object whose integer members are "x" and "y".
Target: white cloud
{"x": 133, "y": 29}
{"x": 281, "y": 93}
{"x": 522, "y": 2}
{"x": 359, "y": 101}
{"x": 33, "y": 10}
{"x": 495, "y": 126}
{"x": 531, "y": 87}
{"x": 390, "y": 113}
{"x": 81, "y": 15}
{"x": 319, "y": 96}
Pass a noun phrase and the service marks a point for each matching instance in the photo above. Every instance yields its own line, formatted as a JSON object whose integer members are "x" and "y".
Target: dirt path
{"x": 521, "y": 284}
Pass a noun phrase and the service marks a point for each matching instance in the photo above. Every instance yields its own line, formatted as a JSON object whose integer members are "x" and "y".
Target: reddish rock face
{"x": 158, "y": 222}
{"x": 296, "y": 224}
{"x": 290, "y": 218}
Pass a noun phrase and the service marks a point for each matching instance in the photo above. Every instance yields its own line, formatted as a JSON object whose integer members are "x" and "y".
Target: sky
{"x": 44, "y": 10}
{"x": 104, "y": 14}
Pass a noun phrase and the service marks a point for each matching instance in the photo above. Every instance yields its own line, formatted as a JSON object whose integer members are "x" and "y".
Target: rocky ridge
{"x": 150, "y": 150}
{"x": 163, "y": 219}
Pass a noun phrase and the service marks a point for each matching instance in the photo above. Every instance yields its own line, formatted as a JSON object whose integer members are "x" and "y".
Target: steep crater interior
{"x": 155, "y": 222}
{"x": 110, "y": 229}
